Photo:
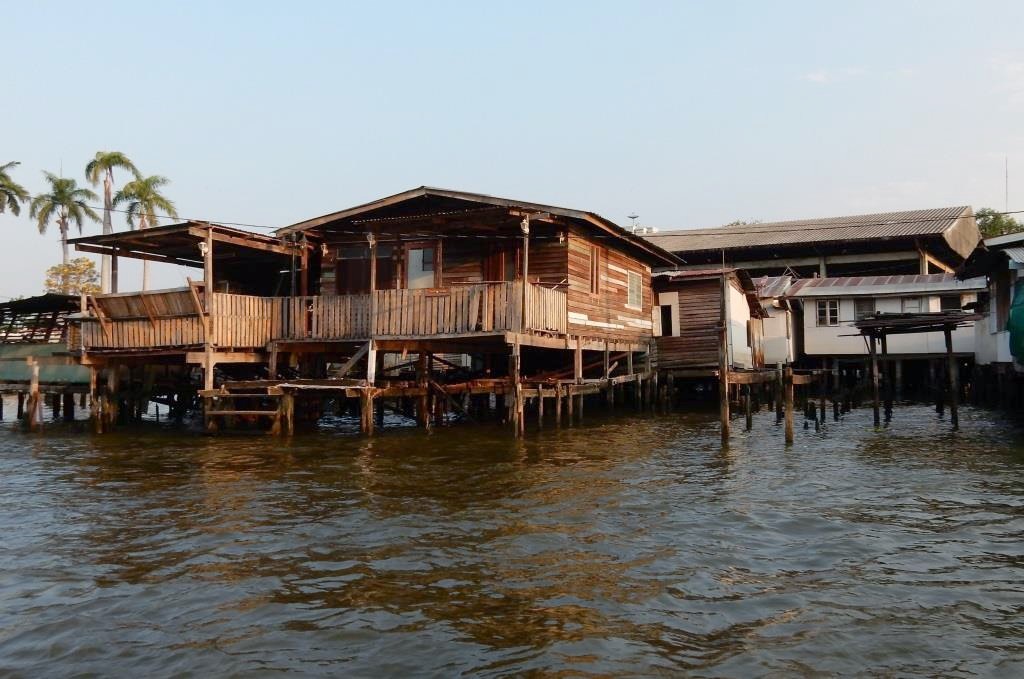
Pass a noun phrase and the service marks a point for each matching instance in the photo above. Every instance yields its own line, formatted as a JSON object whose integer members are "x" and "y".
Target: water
{"x": 630, "y": 546}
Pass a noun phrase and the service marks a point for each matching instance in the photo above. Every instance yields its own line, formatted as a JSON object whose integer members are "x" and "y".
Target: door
{"x": 419, "y": 273}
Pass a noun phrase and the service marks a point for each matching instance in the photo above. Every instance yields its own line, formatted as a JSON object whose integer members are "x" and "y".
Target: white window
{"x": 911, "y": 305}
{"x": 634, "y": 296}
{"x": 863, "y": 307}
{"x": 828, "y": 312}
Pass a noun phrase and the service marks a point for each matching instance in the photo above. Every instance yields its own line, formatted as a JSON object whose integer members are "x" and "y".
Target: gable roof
{"x": 442, "y": 200}
{"x": 919, "y": 284}
{"x": 955, "y": 224}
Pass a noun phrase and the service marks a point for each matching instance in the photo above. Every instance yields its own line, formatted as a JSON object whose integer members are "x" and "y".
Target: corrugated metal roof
{"x": 769, "y": 287}
{"x": 904, "y": 224}
{"x": 1016, "y": 254}
{"x": 884, "y": 285}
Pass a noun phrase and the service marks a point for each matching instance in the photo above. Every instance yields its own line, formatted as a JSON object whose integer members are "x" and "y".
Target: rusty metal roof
{"x": 906, "y": 224}
{"x": 770, "y": 287}
{"x": 884, "y": 285}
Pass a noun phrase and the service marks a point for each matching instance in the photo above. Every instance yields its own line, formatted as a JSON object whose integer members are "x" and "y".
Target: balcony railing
{"x": 176, "y": 318}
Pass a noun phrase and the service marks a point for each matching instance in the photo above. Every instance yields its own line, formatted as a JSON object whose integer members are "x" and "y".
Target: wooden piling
{"x": 787, "y": 387}
{"x": 954, "y": 379}
{"x": 749, "y": 423}
{"x": 874, "y": 379}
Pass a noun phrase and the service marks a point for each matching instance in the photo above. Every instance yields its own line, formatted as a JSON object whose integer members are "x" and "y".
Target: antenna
{"x": 633, "y": 217}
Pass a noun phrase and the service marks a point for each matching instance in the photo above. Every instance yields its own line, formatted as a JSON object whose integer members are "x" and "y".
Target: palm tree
{"x": 66, "y": 202}
{"x": 144, "y": 201}
{"x": 12, "y": 194}
{"x": 102, "y": 167}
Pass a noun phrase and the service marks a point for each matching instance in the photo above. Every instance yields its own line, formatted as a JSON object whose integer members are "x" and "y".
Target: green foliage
{"x": 74, "y": 278}
{"x": 742, "y": 222}
{"x": 66, "y": 202}
{"x": 145, "y": 201}
{"x": 992, "y": 223}
{"x": 105, "y": 162}
{"x": 12, "y": 194}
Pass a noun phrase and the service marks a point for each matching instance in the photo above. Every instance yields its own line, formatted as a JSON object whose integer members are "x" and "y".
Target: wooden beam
{"x": 350, "y": 363}
{"x": 954, "y": 381}
{"x": 199, "y": 357}
{"x": 112, "y": 251}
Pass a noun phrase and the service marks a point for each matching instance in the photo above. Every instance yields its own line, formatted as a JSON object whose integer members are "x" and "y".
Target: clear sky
{"x": 687, "y": 113}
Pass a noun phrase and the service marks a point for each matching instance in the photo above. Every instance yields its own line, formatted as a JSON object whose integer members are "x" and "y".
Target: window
{"x": 911, "y": 305}
{"x": 666, "y": 320}
{"x": 428, "y": 259}
{"x": 828, "y": 312}
{"x": 864, "y": 307}
{"x": 595, "y": 269}
{"x": 950, "y": 303}
{"x": 634, "y": 293}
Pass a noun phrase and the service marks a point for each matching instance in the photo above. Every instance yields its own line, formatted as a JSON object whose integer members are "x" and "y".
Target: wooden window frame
{"x": 595, "y": 287}
{"x": 828, "y": 315}
{"x": 639, "y": 287}
{"x": 435, "y": 245}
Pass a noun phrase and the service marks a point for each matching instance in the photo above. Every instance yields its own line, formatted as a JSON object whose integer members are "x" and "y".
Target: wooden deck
{"x": 178, "y": 319}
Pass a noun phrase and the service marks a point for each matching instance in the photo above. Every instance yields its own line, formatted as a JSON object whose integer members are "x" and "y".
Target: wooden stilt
{"x": 366, "y": 411}
{"x": 540, "y": 407}
{"x": 749, "y": 418}
{"x": 69, "y": 406}
{"x": 954, "y": 380}
{"x": 872, "y": 342}
{"x": 558, "y": 403}
{"x": 787, "y": 388}
{"x": 34, "y": 415}
{"x": 570, "y": 402}
{"x": 21, "y": 405}
{"x": 887, "y": 364}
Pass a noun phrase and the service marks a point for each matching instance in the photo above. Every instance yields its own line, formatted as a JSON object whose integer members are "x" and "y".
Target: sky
{"x": 689, "y": 114}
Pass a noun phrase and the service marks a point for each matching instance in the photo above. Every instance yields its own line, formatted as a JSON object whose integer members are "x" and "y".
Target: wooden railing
{"x": 161, "y": 319}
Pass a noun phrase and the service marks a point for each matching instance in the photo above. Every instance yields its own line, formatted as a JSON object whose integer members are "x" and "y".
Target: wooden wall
{"x": 605, "y": 314}
{"x": 696, "y": 343}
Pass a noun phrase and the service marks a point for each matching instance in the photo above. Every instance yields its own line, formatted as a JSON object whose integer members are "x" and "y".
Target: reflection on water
{"x": 628, "y": 546}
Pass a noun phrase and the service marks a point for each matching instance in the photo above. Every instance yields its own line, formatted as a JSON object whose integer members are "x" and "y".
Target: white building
{"x": 1001, "y": 260}
{"x": 778, "y": 324}
{"x": 832, "y": 305}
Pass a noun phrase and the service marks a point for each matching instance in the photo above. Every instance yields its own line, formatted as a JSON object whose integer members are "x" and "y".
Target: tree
{"x": 992, "y": 223}
{"x": 65, "y": 203}
{"x": 144, "y": 202}
{"x": 12, "y": 194}
{"x": 102, "y": 167}
{"x": 77, "y": 277}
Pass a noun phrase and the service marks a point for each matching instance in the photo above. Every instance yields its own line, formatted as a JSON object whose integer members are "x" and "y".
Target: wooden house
{"x": 906, "y": 242}
{"x": 527, "y": 291}
{"x": 691, "y": 308}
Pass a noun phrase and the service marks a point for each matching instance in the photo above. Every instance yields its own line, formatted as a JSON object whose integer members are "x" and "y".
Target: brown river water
{"x": 629, "y": 546}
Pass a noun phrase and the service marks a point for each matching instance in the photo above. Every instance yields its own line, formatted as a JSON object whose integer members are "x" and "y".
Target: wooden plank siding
{"x": 606, "y": 314}
{"x": 696, "y": 343}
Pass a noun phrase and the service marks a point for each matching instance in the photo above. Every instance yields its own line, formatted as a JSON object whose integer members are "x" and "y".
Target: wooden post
{"x": 609, "y": 393}
{"x": 371, "y": 238}
{"x": 34, "y": 410}
{"x": 69, "y": 406}
{"x": 21, "y": 405}
{"x": 898, "y": 378}
{"x": 525, "y": 226}
{"x": 288, "y": 412}
{"x": 787, "y": 388}
{"x": 371, "y": 364}
{"x": 887, "y": 364}
{"x": 366, "y": 410}
{"x": 422, "y": 412}
{"x": 304, "y": 267}
{"x": 874, "y": 377}
{"x": 540, "y": 406}
{"x": 113, "y": 270}
{"x": 824, "y": 389}
{"x": 570, "y": 402}
{"x": 558, "y": 403}
{"x": 746, "y": 408}
{"x": 954, "y": 379}
{"x": 94, "y": 403}
{"x": 578, "y": 361}
{"x": 723, "y": 366}
{"x": 517, "y": 390}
